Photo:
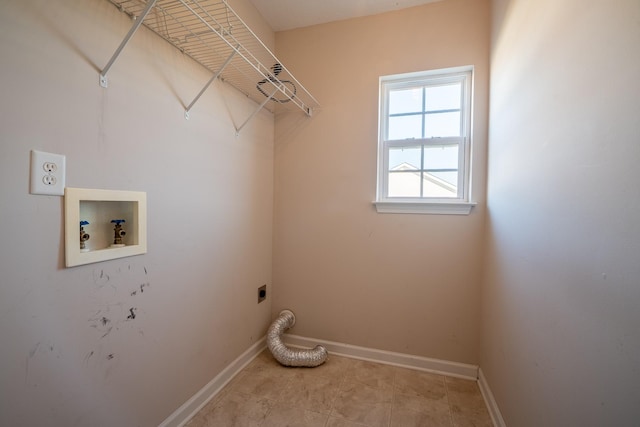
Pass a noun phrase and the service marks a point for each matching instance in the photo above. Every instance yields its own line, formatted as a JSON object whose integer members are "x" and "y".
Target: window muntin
{"x": 425, "y": 112}
{"x": 423, "y": 171}
{"x": 424, "y": 145}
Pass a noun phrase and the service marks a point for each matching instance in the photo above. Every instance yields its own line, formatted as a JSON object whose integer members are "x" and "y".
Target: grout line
{"x": 393, "y": 395}
{"x": 446, "y": 389}
{"x": 335, "y": 398}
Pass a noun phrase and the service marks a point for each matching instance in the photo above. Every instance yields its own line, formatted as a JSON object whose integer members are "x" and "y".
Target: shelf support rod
{"x": 257, "y": 109}
{"x": 215, "y": 76}
{"x": 134, "y": 28}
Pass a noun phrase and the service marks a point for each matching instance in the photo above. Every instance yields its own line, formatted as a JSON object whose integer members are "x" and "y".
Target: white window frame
{"x": 461, "y": 204}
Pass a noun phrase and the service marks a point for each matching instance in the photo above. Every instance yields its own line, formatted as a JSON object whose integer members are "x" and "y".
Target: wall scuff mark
{"x": 114, "y": 311}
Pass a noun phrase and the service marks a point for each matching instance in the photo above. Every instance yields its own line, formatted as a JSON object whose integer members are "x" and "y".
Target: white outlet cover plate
{"x": 48, "y": 172}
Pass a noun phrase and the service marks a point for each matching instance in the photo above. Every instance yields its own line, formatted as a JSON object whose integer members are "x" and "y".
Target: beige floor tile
{"x": 468, "y": 408}
{"x": 435, "y": 408}
{"x": 469, "y": 412}
{"x": 372, "y": 374}
{"x": 460, "y": 385}
{"x": 335, "y": 366}
{"x": 217, "y": 398}
{"x": 342, "y": 392}
{"x": 420, "y": 384}
{"x": 269, "y": 387}
{"x": 199, "y": 420}
{"x": 285, "y": 415}
{"x": 467, "y": 403}
{"x": 238, "y": 410}
{"x": 266, "y": 365}
{"x": 314, "y": 393}
{"x": 402, "y": 417}
{"x": 479, "y": 421}
{"x": 341, "y": 422}
{"x": 363, "y": 404}
{"x": 357, "y": 392}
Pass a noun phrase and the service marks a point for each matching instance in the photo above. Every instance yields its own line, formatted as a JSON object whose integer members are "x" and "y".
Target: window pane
{"x": 446, "y": 97}
{"x": 405, "y": 101}
{"x": 404, "y": 184}
{"x": 404, "y": 127}
{"x": 442, "y": 124}
{"x": 440, "y": 184}
{"x": 448, "y": 177}
{"x": 405, "y": 158}
{"x": 441, "y": 157}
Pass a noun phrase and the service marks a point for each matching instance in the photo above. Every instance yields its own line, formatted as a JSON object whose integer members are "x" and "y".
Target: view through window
{"x": 424, "y": 145}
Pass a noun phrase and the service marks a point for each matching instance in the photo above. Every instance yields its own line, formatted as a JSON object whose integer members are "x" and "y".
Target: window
{"x": 424, "y": 147}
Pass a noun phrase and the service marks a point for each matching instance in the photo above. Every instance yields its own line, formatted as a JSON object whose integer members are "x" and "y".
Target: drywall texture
{"x": 560, "y": 340}
{"x": 124, "y": 342}
{"x": 404, "y": 283}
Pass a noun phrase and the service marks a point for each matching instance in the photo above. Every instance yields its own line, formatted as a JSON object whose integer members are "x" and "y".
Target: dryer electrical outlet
{"x": 262, "y": 293}
{"x": 47, "y": 173}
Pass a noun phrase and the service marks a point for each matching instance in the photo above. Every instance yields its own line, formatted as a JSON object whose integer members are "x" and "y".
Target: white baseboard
{"x": 444, "y": 367}
{"x": 191, "y": 407}
{"x": 492, "y": 405}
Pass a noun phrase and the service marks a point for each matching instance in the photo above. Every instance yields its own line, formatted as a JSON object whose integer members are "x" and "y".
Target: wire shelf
{"x": 211, "y": 33}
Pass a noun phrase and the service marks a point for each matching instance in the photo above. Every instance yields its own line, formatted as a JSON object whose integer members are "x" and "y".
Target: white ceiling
{"x": 288, "y": 14}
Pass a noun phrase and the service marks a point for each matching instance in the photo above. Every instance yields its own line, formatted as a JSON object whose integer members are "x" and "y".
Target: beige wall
{"x": 209, "y": 222}
{"x": 404, "y": 283}
{"x": 558, "y": 344}
{"x": 560, "y": 340}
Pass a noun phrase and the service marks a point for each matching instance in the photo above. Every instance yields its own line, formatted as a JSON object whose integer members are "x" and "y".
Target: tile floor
{"x": 342, "y": 392}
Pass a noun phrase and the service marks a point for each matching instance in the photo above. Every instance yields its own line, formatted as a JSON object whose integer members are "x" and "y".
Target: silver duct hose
{"x": 283, "y": 354}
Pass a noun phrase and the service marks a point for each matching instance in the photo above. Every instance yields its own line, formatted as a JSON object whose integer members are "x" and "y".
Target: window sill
{"x": 431, "y": 208}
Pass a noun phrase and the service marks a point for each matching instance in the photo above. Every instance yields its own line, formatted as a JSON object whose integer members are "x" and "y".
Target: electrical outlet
{"x": 47, "y": 173}
{"x": 262, "y": 293}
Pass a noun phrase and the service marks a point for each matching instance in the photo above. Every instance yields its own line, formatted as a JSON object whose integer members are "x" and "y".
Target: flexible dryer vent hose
{"x": 283, "y": 354}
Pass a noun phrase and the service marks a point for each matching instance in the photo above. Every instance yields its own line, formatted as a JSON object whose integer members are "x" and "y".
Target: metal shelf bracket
{"x": 215, "y": 76}
{"x": 103, "y": 74}
{"x": 267, "y": 99}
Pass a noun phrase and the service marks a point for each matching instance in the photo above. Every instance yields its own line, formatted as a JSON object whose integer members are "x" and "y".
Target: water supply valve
{"x": 118, "y": 232}
{"x": 84, "y": 236}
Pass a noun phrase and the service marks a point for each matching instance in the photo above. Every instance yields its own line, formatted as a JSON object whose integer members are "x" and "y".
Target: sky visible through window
{"x": 420, "y": 113}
